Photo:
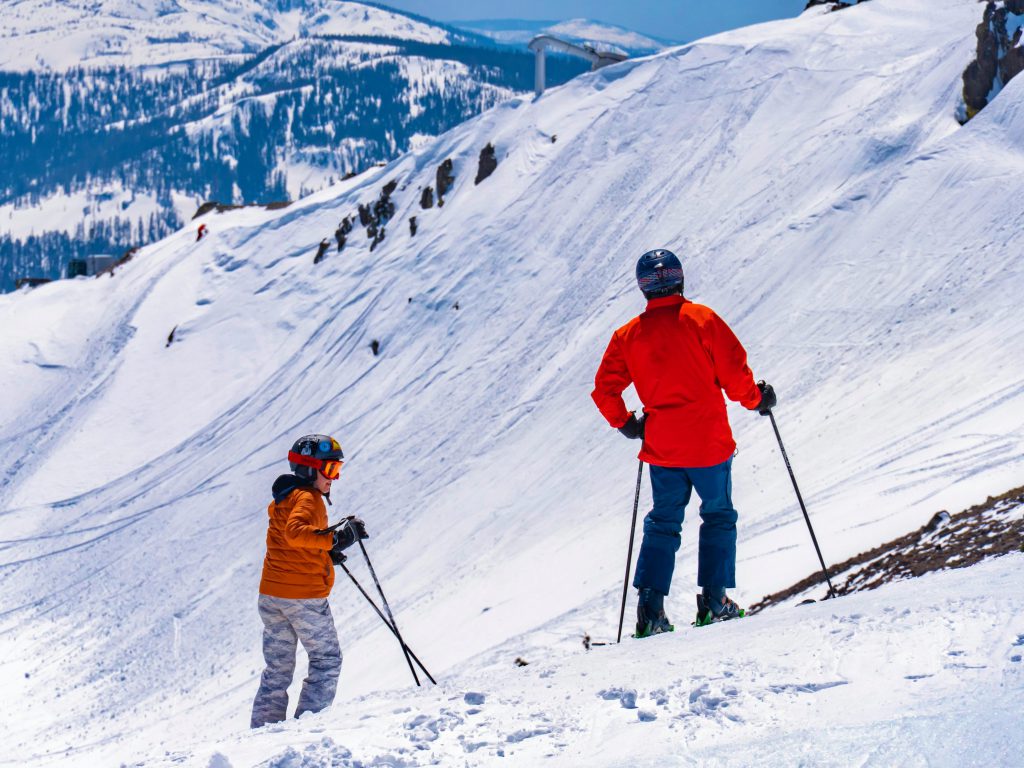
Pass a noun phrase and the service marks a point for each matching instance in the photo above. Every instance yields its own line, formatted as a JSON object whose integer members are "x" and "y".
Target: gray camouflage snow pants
{"x": 286, "y": 621}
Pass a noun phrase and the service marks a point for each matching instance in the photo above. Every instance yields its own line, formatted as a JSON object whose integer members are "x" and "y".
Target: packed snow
{"x": 825, "y": 202}
{"x": 927, "y": 673}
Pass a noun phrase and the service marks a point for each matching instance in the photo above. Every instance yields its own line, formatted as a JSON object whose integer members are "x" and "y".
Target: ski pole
{"x": 629, "y": 555}
{"x": 391, "y": 616}
{"x": 785, "y": 457}
{"x": 336, "y": 526}
{"x": 385, "y": 620}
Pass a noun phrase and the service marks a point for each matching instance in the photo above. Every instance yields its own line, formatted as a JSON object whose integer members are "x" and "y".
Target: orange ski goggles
{"x": 330, "y": 468}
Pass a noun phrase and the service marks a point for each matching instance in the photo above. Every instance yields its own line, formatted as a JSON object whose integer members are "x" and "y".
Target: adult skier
{"x": 680, "y": 356}
{"x": 298, "y": 574}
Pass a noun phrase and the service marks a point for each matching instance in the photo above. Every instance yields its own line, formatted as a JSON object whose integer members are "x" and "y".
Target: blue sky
{"x": 679, "y": 20}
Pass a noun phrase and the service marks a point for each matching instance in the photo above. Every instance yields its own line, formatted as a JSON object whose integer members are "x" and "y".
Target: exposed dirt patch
{"x": 990, "y": 529}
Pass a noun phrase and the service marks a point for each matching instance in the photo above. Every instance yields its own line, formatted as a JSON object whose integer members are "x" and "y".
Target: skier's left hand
{"x": 352, "y": 531}
{"x": 768, "y": 398}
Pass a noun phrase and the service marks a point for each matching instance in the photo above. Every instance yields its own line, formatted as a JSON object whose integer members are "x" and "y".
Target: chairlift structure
{"x": 542, "y": 43}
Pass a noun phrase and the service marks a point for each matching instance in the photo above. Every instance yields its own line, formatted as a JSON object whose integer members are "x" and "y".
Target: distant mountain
{"x": 594, "y": 33}
{"x": 119, "y": 118}
{"x": 62, "y": 34}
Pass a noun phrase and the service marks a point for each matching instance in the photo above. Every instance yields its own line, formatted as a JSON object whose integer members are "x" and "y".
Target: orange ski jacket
{"x": 680, "y": 356}
{"x": 297, "y": 564}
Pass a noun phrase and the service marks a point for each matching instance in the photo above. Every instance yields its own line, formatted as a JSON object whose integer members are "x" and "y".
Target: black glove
{"x": 349, "y": 533}
{"x": 634, "y": 427}
{"x": 768, "y": 399}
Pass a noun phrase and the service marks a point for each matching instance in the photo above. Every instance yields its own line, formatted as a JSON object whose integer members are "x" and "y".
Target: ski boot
{"x": 650, "y": 614}
{"x": 711, "y": 609}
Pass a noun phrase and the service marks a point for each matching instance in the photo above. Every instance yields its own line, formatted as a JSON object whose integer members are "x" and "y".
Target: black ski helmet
{"x": 659, "y": 273}
{"x": 311, "y": 452}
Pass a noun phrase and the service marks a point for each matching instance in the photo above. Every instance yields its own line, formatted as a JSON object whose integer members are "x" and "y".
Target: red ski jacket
{"x": 680, "y": 356}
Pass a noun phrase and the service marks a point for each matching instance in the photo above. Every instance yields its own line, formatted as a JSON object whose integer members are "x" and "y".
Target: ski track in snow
{"x": 825, "y": 203}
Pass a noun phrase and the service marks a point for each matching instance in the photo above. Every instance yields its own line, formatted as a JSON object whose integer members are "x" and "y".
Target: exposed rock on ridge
{"x": 1000, "y": 56}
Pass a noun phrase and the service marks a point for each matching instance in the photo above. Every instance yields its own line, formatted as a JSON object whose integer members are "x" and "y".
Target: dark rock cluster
{"x": 342, "y": 232}
{"x": 999, "y": 58}
{"x": 213, "y": 205}
{"x": 488, "y": 162}
{"x": 321, "y": 250}
{"x": 375, "y": 216}
{"x": 835, "y": 5}
{"x": 445, "y": 179}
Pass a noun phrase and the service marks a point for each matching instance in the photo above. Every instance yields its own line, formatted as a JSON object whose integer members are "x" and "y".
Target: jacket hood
{"x": 285, "y": 484}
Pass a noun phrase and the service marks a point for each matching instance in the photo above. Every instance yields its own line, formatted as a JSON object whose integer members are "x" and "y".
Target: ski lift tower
{"x": 542, "y": 43}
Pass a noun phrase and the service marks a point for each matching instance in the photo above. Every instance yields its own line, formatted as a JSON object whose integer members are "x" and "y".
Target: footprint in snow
{"x": 424, "y": 728}
{"x": 625, "y": 696}
{"x": 1018, "y": 643}
{"x": 528, "y": 733}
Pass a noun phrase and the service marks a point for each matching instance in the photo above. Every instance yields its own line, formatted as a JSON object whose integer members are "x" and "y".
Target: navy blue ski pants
{"x": 716, "y": 554}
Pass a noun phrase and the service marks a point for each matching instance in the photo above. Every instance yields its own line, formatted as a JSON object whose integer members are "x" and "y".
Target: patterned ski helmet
{"x": 659, "y": 273}
{"x": 312, "y": 453}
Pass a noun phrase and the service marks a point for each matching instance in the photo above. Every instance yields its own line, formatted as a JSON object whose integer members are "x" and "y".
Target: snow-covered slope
{"x": 919, "y": 673}
{"x": 825, "y": 202}
{"x": 57, "y": 34}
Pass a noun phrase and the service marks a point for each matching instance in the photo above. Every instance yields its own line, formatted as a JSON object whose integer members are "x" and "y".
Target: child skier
{"x": 298, "y": 574}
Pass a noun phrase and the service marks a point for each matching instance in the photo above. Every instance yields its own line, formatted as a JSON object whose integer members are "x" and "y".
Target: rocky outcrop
{"x": 321, "y": 251}
{"x": 375, "y": 216}
{"x": 990, "y": 529}
{"x": 999, "y": 56}
{"x": 444, "y": 178}
{"x": 427, "y": 198}
{"x": 488, "y": 162}
{"x": 213, "y": 205}
{"x": 834, "y": 5}
{"x": 342, "y": 232}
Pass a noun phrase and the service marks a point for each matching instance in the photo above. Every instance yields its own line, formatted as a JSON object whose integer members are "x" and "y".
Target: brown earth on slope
{"x": 990, "y": 529}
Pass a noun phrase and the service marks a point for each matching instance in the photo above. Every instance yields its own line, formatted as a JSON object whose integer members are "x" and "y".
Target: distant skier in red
{"x": 201, "y": 232}
{"x": 680, "y": 356}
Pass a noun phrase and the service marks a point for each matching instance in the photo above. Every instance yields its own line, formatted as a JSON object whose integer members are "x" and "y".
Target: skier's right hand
{"x": 634, "y": 427}
{"x": 352, "y": 531}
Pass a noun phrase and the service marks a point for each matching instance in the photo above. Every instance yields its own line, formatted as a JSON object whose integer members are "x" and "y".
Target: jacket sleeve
{"x": 612, "y": 378}
{"x": 298, "y": 531}
{"x": 730, "y": 361}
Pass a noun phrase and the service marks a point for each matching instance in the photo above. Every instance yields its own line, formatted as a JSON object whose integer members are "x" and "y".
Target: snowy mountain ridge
{"x": 56, "y": 35}
{"x": 600, "y": 35}
{"x": 99, "y": 161}
{"x": 813, "y": 177}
